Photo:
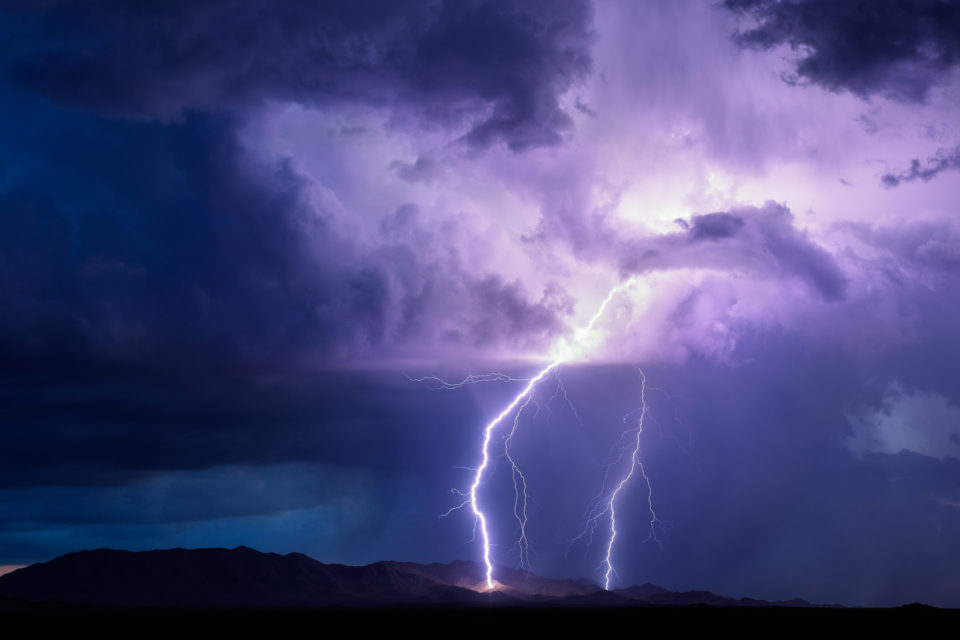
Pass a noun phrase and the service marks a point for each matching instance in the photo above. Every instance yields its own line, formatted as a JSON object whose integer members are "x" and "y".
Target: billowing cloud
{"x": 761, "y": 241}
{"x": 888, "y": 47}
{"x": 240, "y": 262}
{"x": 491, "y": 69}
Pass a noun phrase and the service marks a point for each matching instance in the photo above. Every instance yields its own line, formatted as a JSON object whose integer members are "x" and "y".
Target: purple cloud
{"x": 943, "y": 160}
{"x": 492, "y": 69}
{"x": 887, "y": 47}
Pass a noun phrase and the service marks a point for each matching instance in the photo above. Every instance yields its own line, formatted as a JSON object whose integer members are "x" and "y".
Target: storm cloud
{"x": 893, "y": 48}
{"x": 763, "y": 242}
{"x": 234, "y": 235}
{"x": 491, "y": 69}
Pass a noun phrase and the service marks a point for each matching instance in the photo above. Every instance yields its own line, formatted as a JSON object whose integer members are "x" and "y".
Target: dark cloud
{"x": 179, "y": 497}
{"x": 495, "y": 69}
{"x": 209, "y": 258}
{"x": 894, "y": 48}
{"x": 715, "y": 226}
{"x": 762, "y": 241}
{"x": 943, "y": 160}
{"x": 169, "y": 296}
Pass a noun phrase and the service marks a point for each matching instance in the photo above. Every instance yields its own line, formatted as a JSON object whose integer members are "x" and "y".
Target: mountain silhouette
{"x": 244, "y": 577}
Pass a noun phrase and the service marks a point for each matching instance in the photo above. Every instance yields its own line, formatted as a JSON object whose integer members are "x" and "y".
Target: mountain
{"x": 218, "y": 578}
{"x": 243, "y": 577}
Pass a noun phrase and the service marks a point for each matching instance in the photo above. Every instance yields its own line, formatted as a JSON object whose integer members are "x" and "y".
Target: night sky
{"x": 233, "y": 235}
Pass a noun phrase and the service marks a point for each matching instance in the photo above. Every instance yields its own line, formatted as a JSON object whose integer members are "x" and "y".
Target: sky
{"x": 237, "y": 240}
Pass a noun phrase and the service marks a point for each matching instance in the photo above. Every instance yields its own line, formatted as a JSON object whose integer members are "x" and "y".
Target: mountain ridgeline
{"x": 243, "y": 577}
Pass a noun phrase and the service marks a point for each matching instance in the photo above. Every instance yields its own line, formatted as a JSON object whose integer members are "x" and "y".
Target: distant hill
{"x": 243, "y": 577}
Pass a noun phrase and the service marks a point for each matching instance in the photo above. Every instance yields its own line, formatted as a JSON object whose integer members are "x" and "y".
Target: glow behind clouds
{"x": 664, "y": 132}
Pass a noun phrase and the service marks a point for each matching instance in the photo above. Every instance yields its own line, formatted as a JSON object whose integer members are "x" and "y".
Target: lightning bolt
{"x": 440, "y": 383}
{"x": 519, "y": 489}
{"x": 521, "y": 400}
{"x": 635, "y": 466}
{"x": 562, "y": 391}
{"x": 485, "y": 449}
{"x": 605, "y": 504}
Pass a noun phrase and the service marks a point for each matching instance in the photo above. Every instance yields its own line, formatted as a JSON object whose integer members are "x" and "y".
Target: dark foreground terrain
{"x": 246, "y": 578}
{"x": 494, "y": 623}
{"x": 242, "y": 593}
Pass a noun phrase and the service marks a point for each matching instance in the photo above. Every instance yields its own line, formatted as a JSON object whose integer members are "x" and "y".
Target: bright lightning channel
{"x": 605, "y": 504}
{"x": 635, "y": 466}
{"x": 523, "y": 398}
